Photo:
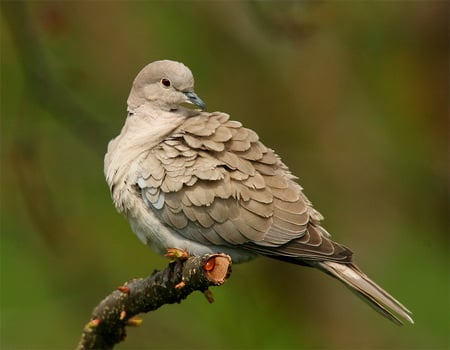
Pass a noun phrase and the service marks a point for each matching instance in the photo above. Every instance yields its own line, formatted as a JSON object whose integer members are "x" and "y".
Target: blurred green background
{"x": 353, "y": 95}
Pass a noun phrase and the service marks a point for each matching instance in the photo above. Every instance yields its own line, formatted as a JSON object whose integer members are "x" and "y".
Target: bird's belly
{"x": 152, "y": 232}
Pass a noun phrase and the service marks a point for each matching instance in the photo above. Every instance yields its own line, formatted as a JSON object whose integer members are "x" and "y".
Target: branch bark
{"x": 107, "y": 326}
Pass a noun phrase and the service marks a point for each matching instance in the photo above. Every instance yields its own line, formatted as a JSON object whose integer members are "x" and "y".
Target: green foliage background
{"x": 353, "y": 95}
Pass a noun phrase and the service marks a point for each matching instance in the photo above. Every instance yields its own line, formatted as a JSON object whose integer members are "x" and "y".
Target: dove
{"x": 201, "y": 182}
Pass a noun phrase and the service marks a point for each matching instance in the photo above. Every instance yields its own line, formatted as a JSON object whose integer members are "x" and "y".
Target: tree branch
{"x": 172, "y": 285}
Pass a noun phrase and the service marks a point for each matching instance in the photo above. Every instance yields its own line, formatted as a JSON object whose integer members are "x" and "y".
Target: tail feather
{"x": 369, "y": 291}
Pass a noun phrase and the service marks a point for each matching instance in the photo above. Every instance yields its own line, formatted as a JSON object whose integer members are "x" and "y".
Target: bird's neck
{"x": 141, "y": 133}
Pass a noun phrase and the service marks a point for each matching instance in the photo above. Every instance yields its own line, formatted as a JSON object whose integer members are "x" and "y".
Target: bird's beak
{"x": 195, "y": 100}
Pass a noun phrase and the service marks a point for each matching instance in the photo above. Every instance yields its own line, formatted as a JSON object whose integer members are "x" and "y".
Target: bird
{"x": 200, "y": 182}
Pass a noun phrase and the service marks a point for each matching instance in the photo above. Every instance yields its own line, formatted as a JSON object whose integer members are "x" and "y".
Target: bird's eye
{"x": 166, "y": 82}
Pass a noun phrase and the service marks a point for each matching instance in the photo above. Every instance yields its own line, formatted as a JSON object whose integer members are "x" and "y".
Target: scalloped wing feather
{"x": 214, "y": 182}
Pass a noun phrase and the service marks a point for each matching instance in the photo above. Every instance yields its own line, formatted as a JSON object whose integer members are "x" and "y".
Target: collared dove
{"x": 200, "y": 182}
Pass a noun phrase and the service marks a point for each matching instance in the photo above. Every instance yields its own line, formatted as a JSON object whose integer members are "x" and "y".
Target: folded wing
{"x": 215, "y": 183}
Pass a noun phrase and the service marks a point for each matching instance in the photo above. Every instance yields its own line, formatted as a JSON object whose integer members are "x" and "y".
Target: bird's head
{"x": 166, "y": 85}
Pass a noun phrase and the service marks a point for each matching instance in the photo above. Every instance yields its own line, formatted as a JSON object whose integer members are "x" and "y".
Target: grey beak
{"x": 194, "y": 99}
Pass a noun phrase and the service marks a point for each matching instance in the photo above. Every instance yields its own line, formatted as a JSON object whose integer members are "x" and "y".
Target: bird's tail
{"x": 369, "y": 291}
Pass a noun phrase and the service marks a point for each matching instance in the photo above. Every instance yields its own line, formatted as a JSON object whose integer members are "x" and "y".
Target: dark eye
{"x": 165, "y": 82}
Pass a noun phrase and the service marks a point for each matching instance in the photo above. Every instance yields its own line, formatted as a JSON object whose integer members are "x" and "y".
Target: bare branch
{"x": 172, "y": 285}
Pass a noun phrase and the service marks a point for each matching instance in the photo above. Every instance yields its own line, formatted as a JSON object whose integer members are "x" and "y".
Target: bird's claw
{"x": 175, "y": 254}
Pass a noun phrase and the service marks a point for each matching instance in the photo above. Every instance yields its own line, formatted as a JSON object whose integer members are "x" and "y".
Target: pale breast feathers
{"x": 215, "y": 183}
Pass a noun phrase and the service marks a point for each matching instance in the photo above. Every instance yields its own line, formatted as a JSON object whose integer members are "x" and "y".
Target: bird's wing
{"x": 214, "y": 182}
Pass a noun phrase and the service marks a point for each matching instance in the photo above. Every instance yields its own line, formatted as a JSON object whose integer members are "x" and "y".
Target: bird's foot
{"x": 175, "y": 254}
{"x": 177, "y": 258}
